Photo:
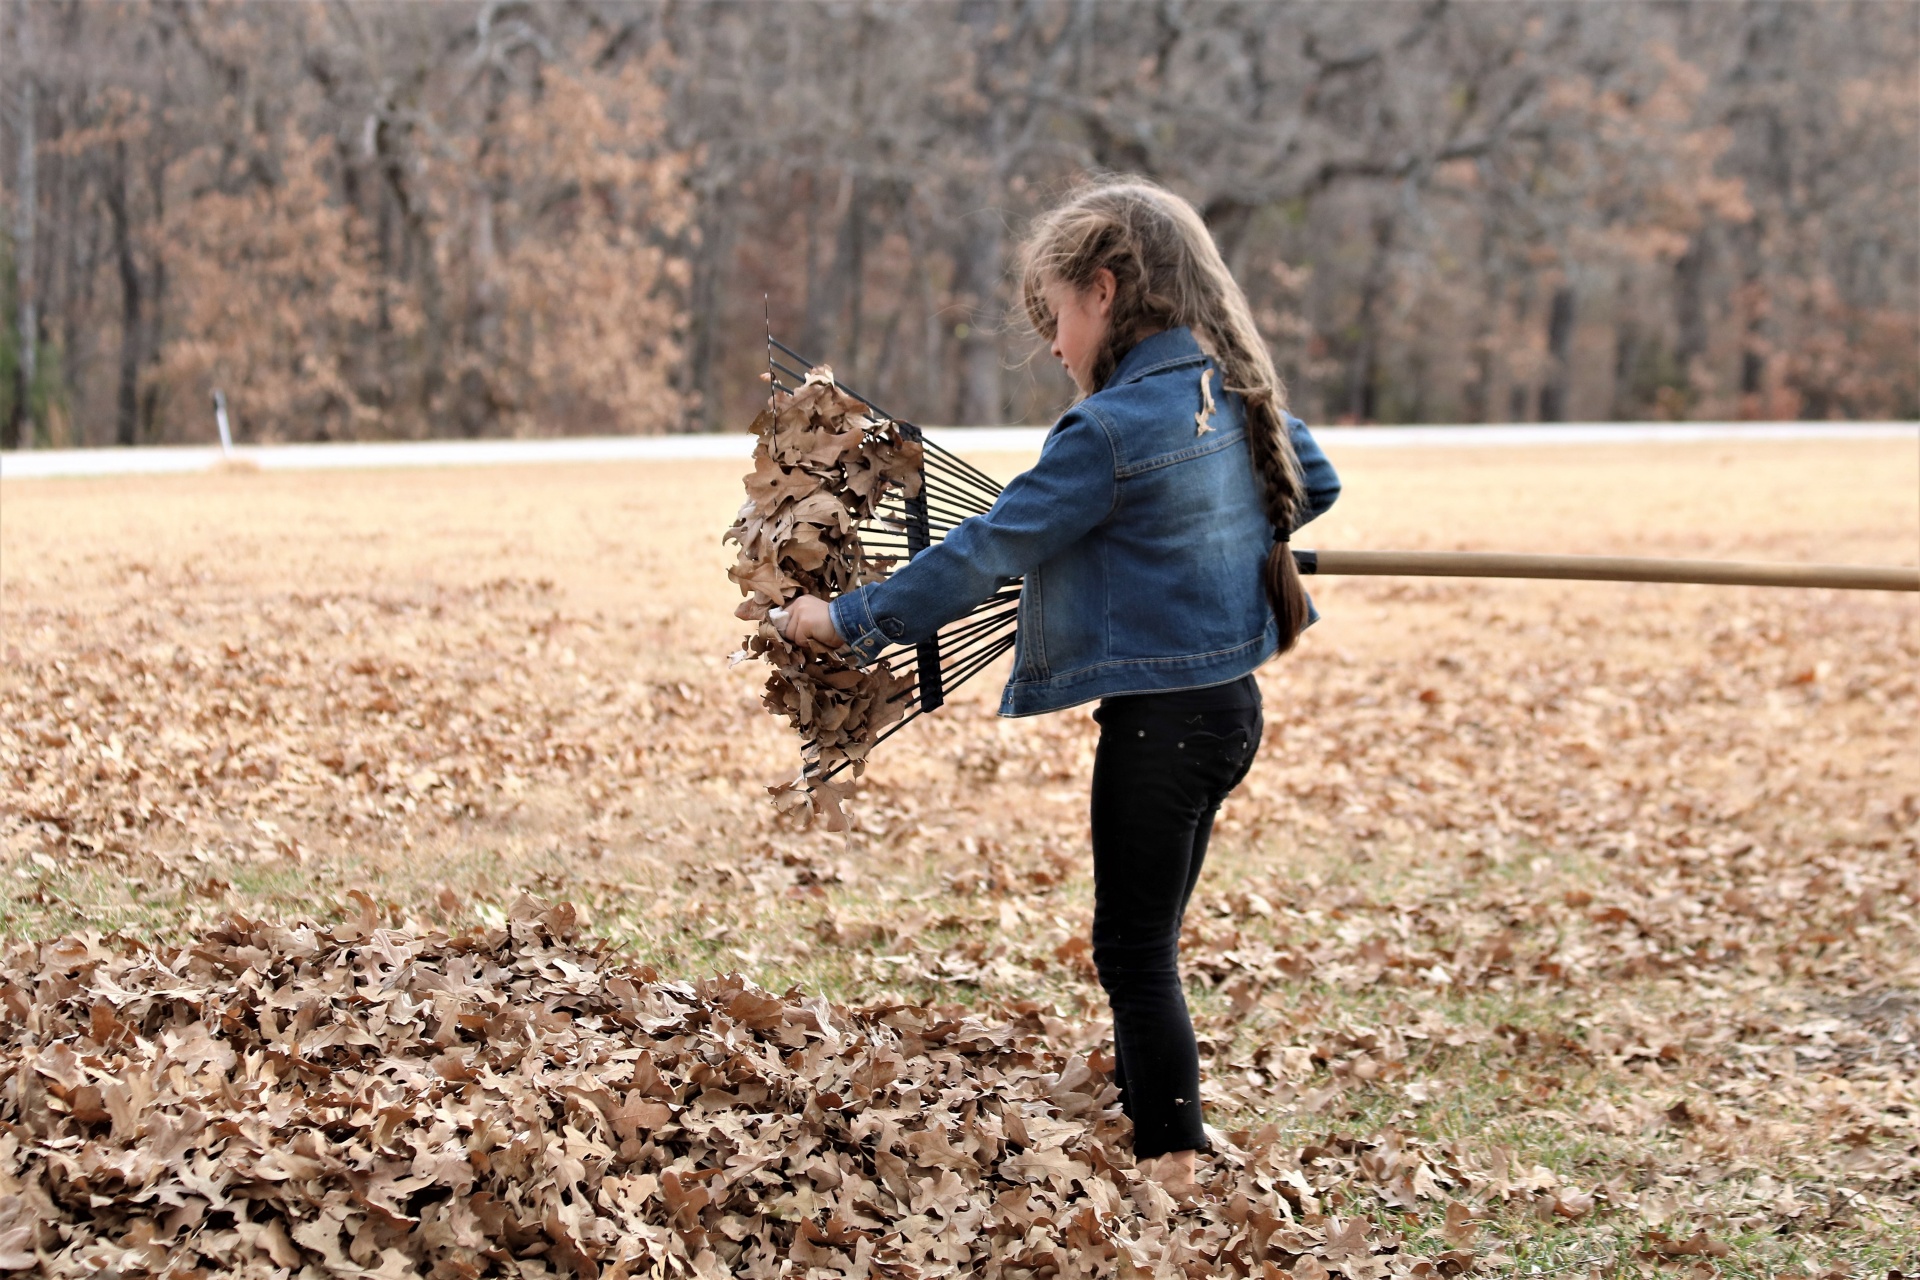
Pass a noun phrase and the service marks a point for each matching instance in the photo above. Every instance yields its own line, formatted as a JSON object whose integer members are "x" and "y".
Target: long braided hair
{"x": 1168, "y": 273}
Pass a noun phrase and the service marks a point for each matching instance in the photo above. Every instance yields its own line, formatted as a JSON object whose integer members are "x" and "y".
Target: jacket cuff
{"x": 855, "y": 622}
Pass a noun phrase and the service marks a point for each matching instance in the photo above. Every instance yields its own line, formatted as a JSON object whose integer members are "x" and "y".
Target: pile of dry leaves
{"x": 519, "y": 1101}
{"x": 821, "y": 465}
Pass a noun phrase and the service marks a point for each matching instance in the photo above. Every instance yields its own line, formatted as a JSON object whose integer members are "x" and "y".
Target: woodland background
{"x": 377, "y": 220}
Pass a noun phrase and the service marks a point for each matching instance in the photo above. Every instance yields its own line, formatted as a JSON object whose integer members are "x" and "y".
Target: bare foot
{"x": 1174, "y": 1172}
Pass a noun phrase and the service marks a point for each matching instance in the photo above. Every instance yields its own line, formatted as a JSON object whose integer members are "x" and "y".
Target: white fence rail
{"x": 966, "y": 441}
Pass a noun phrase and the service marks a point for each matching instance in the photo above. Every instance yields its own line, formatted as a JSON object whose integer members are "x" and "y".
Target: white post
{"x": 220, "y": 417}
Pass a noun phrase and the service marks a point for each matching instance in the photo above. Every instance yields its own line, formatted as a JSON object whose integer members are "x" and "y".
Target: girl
{"x": 1152, "y": 535}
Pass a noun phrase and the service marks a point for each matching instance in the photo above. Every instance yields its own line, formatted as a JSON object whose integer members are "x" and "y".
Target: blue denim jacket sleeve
{"x": 1323, "y": 485}
{"x": 1071, "y": 489}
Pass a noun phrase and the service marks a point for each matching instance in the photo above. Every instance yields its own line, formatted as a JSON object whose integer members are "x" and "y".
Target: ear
{"x": 1101, "y": 290}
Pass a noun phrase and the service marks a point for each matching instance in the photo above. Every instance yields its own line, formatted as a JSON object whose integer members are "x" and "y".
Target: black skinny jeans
{"x": 1164, "y": 764}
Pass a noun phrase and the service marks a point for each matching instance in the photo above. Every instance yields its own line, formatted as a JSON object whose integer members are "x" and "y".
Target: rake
{"x": 952, "y": 489}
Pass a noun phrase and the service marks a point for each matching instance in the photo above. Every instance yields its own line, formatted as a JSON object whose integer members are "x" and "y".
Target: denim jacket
{"x": 1141, "y": 535}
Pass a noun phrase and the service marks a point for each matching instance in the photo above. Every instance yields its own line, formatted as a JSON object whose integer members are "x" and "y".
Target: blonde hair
{"x": 1168, "y": 274}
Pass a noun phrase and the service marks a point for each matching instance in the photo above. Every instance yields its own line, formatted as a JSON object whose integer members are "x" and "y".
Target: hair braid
{"x": 1249, "y": 371}
{"x": 1168, "y": 272}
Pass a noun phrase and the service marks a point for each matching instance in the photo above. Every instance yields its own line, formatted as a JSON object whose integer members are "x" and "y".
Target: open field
{"x": 1603, "y": 899}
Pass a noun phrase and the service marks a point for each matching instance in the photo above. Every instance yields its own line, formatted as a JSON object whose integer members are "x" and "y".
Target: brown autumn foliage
{"x": 273, "y": 293}
{"x": 545, "y": 218}
{"x": 822, "y": 465}
{"x": 484, "y": 243}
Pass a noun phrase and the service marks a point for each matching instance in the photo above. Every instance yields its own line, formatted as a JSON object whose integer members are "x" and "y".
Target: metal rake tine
{"x": 956, "y": 645}
{"x": 962, "y": 643}
{"x": 954, "y": 498}
{"x": 1004, "y": 595}
{"x": 962, "y": 466}
{"x": 912, "y": 714}
{"x": 990, "y": 632}
{"x": 836, "y": 382}
{"x": 959, "y": 464}
{"x": 979, "y": 662}
{"x": 948, "y": 512}
{"x": 948, "y": 461}
{"x": 980, "y": 616}
{"x": 943, "y": 485}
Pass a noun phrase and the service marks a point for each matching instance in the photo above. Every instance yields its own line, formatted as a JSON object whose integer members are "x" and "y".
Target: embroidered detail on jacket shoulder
{"x": 1201, "y": 420}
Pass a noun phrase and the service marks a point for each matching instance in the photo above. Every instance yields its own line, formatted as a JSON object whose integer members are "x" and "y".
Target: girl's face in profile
{"x": 1080, "y": 324}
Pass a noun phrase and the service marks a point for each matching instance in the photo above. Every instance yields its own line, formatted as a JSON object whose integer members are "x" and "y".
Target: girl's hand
{"x": 808, "y": 618}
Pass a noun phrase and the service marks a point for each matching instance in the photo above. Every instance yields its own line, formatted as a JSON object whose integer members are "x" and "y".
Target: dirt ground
{"x": 1607, "y": 892}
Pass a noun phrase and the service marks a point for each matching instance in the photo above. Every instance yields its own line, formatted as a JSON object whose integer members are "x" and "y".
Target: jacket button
{"x": 893, "y": 627}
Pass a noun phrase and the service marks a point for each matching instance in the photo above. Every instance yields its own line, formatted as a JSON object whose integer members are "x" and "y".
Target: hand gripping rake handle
{"x": 1500, "y": 564}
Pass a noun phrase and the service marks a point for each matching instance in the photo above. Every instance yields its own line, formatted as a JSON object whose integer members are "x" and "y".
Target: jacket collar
{"x": 1164, "y": 350}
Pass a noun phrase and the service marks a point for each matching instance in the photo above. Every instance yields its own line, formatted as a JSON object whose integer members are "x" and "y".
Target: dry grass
{"x": 1611, "y": 887}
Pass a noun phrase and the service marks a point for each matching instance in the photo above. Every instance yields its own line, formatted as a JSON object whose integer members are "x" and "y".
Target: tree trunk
{"x": 1363, "y": 372}
{"x": 1690, "y": 310}
{"x": 1553, "y": 390}
{"x": 1628, "y": 346}
{"x": 23, "y": 238}
{"x": 978, "y": 284}
{"x": 827, "y": 284}
{"x": 477, "y": 406}
{"x": 852, "y": 269}
{"x": 1229, "y": 218}
{"x": 931, "y": 335}
{"x": 127, "y": 415}
{"x": 153, "y": 307}
{"x": 417, "y": 254}
{"x": 710, "y": 269}
{"x": 1477, "y": 396}
{"x": 80, "y": 251}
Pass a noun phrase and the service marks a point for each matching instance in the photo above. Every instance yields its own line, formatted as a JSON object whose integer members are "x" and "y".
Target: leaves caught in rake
{"x": 839, "y": 496}
{"x": 951, "y": 490}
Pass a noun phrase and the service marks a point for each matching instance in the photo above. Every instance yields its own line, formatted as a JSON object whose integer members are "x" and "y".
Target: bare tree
{"x": 488, "y": 217}
{"x": 26, "y": 215}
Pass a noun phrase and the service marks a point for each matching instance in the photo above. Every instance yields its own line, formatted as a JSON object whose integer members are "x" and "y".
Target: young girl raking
{"x": 1152, "y": 534}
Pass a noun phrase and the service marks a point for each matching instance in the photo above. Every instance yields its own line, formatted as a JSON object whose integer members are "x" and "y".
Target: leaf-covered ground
{"x": 1568, "y": 927}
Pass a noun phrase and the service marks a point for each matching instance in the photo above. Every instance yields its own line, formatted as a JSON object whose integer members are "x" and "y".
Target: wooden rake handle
{"x": 1500, "y": 564}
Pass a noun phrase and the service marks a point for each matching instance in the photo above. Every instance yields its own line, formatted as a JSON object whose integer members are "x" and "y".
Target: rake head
{"x": 951, "y": 490}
